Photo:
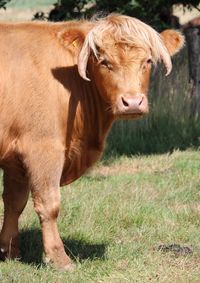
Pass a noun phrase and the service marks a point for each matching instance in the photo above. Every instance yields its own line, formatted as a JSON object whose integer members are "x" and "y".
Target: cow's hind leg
{"x": 15, "y": 196}
{"x": 45, "y": 167}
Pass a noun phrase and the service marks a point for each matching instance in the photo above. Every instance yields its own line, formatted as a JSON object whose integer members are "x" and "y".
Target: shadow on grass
{"x": 32, "y": 249}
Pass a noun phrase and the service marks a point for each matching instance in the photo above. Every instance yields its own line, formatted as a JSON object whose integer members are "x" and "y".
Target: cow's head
{"x": 119, "y": 52}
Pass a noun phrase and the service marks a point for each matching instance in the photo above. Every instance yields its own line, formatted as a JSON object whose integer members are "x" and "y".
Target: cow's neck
{"x": 88, "y": 124}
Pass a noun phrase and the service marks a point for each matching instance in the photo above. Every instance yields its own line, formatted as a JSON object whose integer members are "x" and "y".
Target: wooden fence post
{"x": 193, "y": 43}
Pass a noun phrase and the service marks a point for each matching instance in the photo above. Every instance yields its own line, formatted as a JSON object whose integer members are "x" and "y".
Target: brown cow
{"x": 61, "y": 87}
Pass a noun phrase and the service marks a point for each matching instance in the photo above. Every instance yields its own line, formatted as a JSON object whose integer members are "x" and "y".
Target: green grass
{"x": 113, "y": 219}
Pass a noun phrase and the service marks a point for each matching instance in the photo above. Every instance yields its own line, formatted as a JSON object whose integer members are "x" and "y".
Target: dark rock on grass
{"x": 176, "y": 249}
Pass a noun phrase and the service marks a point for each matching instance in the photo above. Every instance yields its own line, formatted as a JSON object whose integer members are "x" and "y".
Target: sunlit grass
{"x": 113, "y": 220}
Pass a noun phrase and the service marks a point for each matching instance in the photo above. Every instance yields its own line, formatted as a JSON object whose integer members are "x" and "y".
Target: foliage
{"x": 157, "y": 13}
{"x": 3, "y": 3}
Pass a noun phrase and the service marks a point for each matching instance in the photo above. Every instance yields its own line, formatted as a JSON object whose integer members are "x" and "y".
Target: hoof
{"x": 12, "y": 253}
{"x": 60, "y": 264}
{"x": 3, "y": 254}
{"x": 68, "y": 268}
{"x": 9, "y": 249}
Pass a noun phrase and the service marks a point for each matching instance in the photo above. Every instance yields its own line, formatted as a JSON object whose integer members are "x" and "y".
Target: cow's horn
{"x": 83, "y": 60}
{"x": 167, "y": 62}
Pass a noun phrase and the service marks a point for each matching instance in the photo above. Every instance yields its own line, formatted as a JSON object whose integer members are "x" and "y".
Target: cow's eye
{"x": 106, "y": 63}
{"x": 149, "y": 61}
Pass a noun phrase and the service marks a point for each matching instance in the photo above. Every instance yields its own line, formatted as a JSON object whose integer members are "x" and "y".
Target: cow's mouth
{"x": 128, "y": 116}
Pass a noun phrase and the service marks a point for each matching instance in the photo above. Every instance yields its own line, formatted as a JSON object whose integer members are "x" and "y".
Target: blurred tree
{"x": 157, "y": 13}
{"x": 3, "y": 3}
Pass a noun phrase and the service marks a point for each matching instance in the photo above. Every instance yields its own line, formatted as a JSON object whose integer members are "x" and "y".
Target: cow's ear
{"x": 173, "y": 40}
{"x": 72, "y": 39}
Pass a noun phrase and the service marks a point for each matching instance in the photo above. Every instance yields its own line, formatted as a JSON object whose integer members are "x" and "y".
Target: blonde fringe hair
{"x": 127, "y": 30}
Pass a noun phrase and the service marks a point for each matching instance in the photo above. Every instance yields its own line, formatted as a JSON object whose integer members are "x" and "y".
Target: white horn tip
{"x": 168, "y": 71}
{"x": 86, "y": 79}
{"x": 82, "y": 73}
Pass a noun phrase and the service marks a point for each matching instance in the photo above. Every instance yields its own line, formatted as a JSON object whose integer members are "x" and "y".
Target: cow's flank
{"x": 61, "y": 87}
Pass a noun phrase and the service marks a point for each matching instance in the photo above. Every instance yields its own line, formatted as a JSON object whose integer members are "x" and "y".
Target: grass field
{"x": 113, "y": 220}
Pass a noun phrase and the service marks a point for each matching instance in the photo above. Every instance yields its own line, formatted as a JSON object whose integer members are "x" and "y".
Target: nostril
{"x": 125, "y": 103}
{"x": 141, "y": 101}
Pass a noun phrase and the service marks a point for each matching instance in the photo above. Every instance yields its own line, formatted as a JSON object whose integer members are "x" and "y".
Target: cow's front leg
{"x": 46, "y": 203}
{"x": 45, "y": 166}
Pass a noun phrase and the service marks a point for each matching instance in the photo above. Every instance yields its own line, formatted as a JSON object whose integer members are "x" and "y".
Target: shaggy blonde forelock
{"x": 131, "y": 31}
{"x": 127, "y": 30}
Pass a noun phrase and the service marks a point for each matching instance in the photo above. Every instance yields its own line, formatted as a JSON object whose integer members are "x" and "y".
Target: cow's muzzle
{"x": 132, "y": 104}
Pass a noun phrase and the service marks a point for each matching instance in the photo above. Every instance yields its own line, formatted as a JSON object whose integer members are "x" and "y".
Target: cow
{"x": 62, "y": 85}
